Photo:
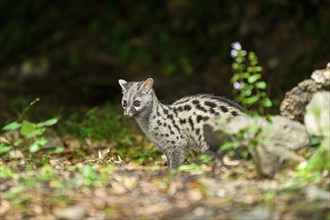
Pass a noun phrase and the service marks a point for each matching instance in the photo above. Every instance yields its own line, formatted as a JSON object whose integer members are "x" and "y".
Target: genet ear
{"x": 123, "y": 84}
{"x": 147, "y": 85}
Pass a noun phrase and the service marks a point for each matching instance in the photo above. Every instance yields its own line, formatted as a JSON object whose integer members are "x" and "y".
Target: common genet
{"x": 176, "y": 129}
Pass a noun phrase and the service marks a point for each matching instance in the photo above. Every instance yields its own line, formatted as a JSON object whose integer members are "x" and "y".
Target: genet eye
{"x": 136, "y": 103}
{"x": 124, "y": 103}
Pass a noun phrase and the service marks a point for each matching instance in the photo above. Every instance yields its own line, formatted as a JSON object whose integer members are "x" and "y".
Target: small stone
{"x": 322, "y": 76}
{"x": 70, "y": 213}
{"x": 317, "y": 117}
{"x": 314, "y": 193}
{"x": 283, "y": 136}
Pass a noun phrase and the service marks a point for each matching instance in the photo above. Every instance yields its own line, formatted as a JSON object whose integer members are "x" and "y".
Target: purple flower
{"x": 236, "y": 46}
{"x": 233, "y": 53}
{"x": 238, "y": 85}
{"x": 236, "y": 49}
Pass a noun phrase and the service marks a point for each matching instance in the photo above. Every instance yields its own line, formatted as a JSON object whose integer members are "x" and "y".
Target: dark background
{"x": 72, "y": 53}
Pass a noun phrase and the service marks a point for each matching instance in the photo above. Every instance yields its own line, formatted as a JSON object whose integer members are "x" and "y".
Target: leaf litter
{"x": 108, "y": 187}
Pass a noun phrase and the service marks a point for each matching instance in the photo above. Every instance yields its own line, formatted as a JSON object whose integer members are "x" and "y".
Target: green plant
{"x": 247, "y": 136}
{"x": 250, "y": 90}
{"x": 316, "y": 168}
{"x": 98, "y": 124}
{"x": 30, "y": 134}
{"x": 26, "y": 136}
{"x": 106, "y": 124}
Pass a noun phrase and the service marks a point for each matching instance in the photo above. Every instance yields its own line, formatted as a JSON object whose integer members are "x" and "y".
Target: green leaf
{"x": 38, "y": 144}
{"x": 27, "y": 128}
{"x": 38, "y": 132}
{"x": 4, "y": 148}
{"x": 189, "y": 167}
{"x": 18, "y": 142}
{"x": 261, "y": 85}
{"x": 266, "y": 102}
{"x": 48, "y": 122}
{"x": 258, "y": 69}
{"x": 229, "y": 145}
{"x": 253, "y": 78}
{"x": 12, "y": 126}
{"x": 251, "y": 100}
{"x": 57, "y": 150}
{"x": 30, "y": 129}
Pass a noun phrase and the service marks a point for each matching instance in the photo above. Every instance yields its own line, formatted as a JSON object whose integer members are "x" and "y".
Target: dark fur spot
{"x": 191, "y": 123}
{"x": 224, "y": 108}
{"x": 212, "y": 111}
{"x": 165, "y": 111}
{"x": 187, "y": 107}
{"x": 159, "y": 123}
{"x": 182, "y": 121}
{"x": 201, "y": 108}
{"x": 170, "y": 117}
{"x": 180, "y": 109}
{"x": 175, "y": 111}
{"x": 173, "y": 142}
{"x": 167, "y": 135}
{"x": 199, "y": 118}
{"x": 176, "y": 127}
{"x": 223, "y": 99}
{"x": 211, "y": 104}
{"x": 195, "y": 102}
{"x": 177, "y": 137}
{"x": 197, "y": 131}
{"x": 234, "y": 113}
{"x": 170, "y": 128}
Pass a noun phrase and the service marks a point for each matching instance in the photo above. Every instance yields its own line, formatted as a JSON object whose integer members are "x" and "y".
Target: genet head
{"x": 137, "y": 96}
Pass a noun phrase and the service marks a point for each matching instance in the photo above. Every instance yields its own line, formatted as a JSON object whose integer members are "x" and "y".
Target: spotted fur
{"x": 177, "y": 128}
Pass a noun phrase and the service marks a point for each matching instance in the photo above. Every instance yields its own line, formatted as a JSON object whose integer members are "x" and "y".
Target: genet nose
{"x": 127, "y": 114}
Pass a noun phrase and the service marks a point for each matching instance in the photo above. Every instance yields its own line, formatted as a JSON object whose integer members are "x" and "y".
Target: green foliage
{"x": 99, "y": 124}
{"x": 48, "y": 177}
{"x": 247, "y": 137}
{"x": 317, "y": 166}
{"x": 250, "y": 90}
{"x": 26, "y": 136}
{"x": 30, "y": 136}
{"x": 6, "y": 172}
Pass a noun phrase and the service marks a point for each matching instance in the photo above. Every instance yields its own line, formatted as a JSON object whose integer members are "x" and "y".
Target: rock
{"x": 275, "y": 140}
{"x": 271, "y": 159}
{"x": 72, "y": 212}
{"x": 280, "y": 131}
{"x": 295, "y": 101}
{"x": 322, "y": 76}
{"x": 257, "y": 213}
{"x": 314, "y": 193}
{"x": 317, "y": 117}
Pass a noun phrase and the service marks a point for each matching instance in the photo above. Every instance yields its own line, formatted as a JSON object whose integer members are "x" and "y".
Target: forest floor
{"x": 123, "y": 176}
{"x": 109, "y": 188}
